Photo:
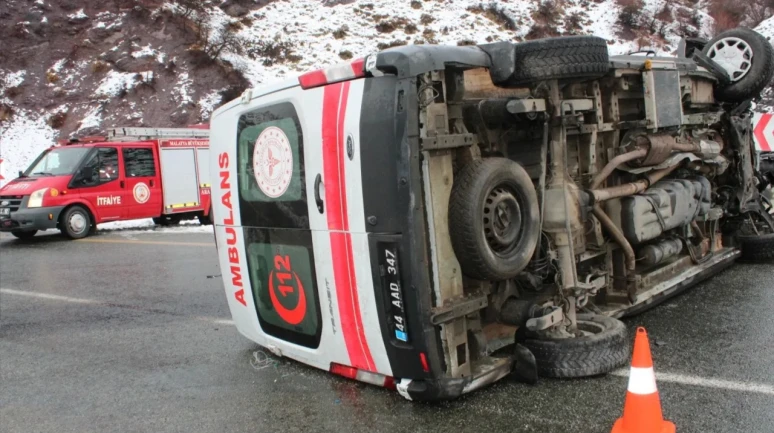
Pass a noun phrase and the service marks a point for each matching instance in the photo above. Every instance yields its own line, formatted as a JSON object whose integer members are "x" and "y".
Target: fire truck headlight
{"x": 36, "y": 199}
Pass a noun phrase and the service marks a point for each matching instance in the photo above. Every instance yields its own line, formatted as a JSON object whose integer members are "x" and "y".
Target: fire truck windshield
{"x": 57, "y": 162}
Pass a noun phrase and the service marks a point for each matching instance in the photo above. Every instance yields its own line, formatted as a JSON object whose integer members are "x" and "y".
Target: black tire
{"x": 760, "y": 70}
{"x": 756, "y": 248}
{"x": 205, "y": 220}
{"x": 166, "y": 220}
{"x": 24, "y": 234}
{"x": 76, "y": 222}
{"x": 570, "y": 57}
{"x": 603, "y": 351}
{"x": 485, "y": 249}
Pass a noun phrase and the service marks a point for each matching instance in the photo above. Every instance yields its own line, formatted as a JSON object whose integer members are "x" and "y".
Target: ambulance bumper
{"x": 42, "y": 218}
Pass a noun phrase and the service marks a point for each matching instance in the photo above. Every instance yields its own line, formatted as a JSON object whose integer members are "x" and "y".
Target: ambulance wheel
{"x": 747, "y": 57}
{"x": 494, "y": 222}
{"x": 76, "y": 222}
{"x": 24, "y": 235}
{"x": 601, "y": 346}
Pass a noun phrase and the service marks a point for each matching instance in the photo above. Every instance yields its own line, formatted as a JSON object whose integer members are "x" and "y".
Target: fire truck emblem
{"x": 141, "y": 192}
{"x": 273, "y": 162}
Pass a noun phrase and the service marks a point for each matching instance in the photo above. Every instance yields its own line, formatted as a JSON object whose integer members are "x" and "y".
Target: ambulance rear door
{"x": 280, "y": 164}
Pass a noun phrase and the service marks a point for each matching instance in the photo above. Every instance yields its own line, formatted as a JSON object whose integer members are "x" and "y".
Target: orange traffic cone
{"x": 642, "y": 409}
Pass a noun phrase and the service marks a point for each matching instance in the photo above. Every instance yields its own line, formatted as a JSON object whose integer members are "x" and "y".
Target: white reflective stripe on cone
{"x": 642, "y": 381}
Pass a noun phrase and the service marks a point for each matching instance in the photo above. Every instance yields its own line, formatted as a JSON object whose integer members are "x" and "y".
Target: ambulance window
{"x": 270, "y": 164}
{"x": 139, "y": 162}
{"x": 104, "y": 167}
{"x": 282, "y": 275}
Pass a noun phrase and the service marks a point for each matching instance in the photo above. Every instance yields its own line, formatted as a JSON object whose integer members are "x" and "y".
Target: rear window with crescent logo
{"x": 270, "y": 168}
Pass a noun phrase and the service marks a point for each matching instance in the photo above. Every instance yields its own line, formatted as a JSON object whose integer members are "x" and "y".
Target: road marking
{"x": 70, "y": 299}
{"x": 118, "y": 241}
{"x": 49, "y": 297}
{"x": 760, "y": 388}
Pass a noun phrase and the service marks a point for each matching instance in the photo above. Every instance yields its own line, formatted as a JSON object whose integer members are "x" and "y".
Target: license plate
{"x": 5, "y": 211}
{"x": 390, "y": 270}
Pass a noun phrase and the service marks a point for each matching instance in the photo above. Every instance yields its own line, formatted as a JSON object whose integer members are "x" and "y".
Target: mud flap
{"x": 525, "y": 366}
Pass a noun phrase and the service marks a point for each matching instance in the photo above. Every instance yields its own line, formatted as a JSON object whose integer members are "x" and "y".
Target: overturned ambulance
{"x": 433, "y": 218}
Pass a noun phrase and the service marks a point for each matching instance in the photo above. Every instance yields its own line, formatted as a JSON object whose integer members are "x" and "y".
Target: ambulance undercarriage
{"x": 555, "y": 206}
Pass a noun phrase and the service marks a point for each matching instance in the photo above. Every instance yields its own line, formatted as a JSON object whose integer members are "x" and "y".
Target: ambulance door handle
{"x": 152, "y": 183}
{"x": 121, "y": 183}
{"x": 317, "y": 197}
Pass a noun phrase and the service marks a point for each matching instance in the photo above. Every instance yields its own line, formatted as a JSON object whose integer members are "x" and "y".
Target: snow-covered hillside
{"x": 80, "y": 69}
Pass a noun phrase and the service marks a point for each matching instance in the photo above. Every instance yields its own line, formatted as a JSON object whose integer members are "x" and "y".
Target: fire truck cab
{"x": 133, "y": 173}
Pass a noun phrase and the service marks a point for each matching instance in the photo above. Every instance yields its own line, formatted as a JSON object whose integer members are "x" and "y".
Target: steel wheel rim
{"x": 77, "y": 222}
{"x": 502, "y": 219}
{"x": 734, "y": 55}
{"x": 588, "y": 328}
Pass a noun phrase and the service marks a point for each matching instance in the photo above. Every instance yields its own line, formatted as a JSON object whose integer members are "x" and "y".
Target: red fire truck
{"x": 133, "y": 173}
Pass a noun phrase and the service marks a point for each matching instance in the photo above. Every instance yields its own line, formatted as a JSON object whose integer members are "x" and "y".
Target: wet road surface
{"x": 130, "y": 333}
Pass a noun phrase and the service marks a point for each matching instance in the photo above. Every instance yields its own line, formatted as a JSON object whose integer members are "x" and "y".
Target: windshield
{"x": 57, "y": 162}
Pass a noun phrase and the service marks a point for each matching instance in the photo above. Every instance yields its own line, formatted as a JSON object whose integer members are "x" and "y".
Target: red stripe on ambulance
{"x": 231, "y": 235}
{"x": 334, "y": 111}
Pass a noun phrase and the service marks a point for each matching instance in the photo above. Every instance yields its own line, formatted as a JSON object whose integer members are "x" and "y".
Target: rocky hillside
{"x": 79, "y": 66}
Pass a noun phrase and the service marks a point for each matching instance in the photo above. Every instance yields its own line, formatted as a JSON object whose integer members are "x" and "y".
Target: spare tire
{"x": 603, "y": 347}
{"x": 570, "y": 57}
{"x": 494, "y": 218}
{"x": 747, "y": 57}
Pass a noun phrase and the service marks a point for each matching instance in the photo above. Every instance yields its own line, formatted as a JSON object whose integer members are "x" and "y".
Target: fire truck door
{"x": 99, "y": 181}
{"x": 143, "y": 188}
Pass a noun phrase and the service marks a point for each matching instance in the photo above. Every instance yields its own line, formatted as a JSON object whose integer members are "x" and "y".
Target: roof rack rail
{"x": 139, "y": 133}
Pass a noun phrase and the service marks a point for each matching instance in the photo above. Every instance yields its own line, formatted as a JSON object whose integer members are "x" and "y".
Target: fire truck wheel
{"x": 494, "y": 222}
{"x": 602, "y": 347}
{"x": 167, "y": 220}
{"x": 76, "y": 222}
{"x": 569, "y": 57}
{"x": 747, "y": 57}
{"x": 205, "y": 220}
{"x": 24, "y": 235}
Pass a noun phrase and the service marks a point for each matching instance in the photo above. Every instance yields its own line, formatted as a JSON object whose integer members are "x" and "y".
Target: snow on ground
{"x": 183, "y": 88}
{"x": 208, "y": 103}
{"x": 143, "y": 226}
{"x": 21, "y": 140}
{"x": 146, "y": 51}
{"x": 13, "y": 79}
{"x": 116, "y": 82}
{"x": 93, "y": 118}
{"x": 309, "y": 29}
{"x": 766, "y": 28}
{"x": 80, "y": 15}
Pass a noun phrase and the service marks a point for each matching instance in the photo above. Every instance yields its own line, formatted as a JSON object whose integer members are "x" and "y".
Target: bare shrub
{"x": 345, "y": 55}
{"x": 395, "y": 43}
{"x": 495, "y": 13}
{"x": 57, "y": 120}
{"x": 99, "y": 67}
{"x": 341, "y": 32}
{"x": 275, "y": 51}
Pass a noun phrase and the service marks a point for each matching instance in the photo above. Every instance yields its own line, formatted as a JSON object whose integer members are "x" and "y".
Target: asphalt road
{"x": 129, "y": 333}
